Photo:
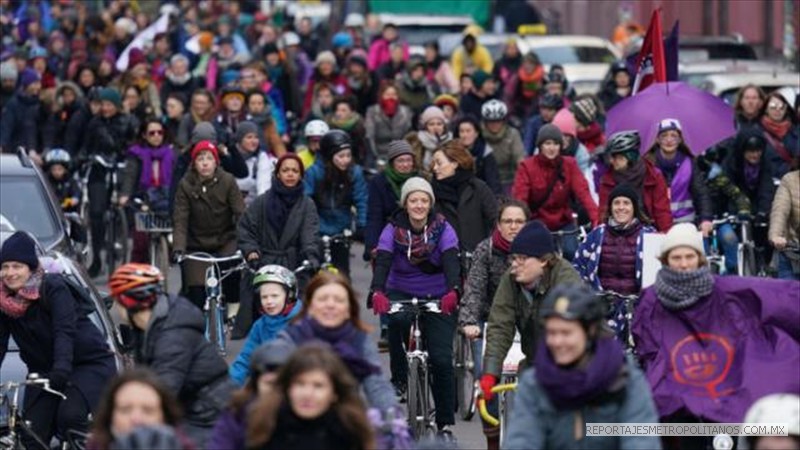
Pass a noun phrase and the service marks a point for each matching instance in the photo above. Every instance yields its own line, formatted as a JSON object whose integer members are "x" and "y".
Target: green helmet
{"x": 272, "y": 273}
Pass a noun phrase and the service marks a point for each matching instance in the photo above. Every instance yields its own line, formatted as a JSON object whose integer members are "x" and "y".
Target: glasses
{"x": 519, "y": 222}
{"x": 155, "y": 132}
{"x": 777, "y": 106}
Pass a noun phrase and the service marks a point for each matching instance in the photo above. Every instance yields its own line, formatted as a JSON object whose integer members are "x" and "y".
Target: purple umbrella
{"x": 705, "y": 119}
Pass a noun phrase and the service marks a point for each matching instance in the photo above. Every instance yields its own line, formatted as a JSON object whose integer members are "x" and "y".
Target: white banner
{"x": 143, "y": 40}
{"x": 651, "y": 247}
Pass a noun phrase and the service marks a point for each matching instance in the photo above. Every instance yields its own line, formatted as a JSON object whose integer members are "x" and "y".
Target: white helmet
{"x": 354, "y": 20}
{"x": 494, "y": 110}
{"x": 774, "y": 408}
{"x": 290, "y": 38}
{"x": 316, "y": 128}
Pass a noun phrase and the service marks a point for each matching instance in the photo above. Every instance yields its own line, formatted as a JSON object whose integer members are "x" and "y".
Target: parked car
{"x": 695, "y": 73}
{"x": 727, "y": 85}
{"x": 703, "y": 48}
{"x": 419, "y": 29}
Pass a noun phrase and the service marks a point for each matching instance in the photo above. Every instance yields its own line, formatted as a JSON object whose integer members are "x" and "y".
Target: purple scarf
{"x": 573, "y": 388}
{"x": 678, "y": 172}
{"x": 347, "y": 342}
{"x": 751, "y": 175}
{"x": 166, "y": 158}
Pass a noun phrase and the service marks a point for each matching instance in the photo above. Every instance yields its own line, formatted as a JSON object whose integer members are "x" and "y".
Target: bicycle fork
{"x": 217, "y": 314}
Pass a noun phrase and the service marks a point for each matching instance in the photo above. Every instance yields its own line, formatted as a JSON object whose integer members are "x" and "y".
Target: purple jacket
{"x": 229, "y": 431}
{"x": 717, "y": 357}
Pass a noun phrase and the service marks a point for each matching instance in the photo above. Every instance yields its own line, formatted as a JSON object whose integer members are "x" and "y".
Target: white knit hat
{"x": 416, "y": 184}
{"x": 683, "y": 235}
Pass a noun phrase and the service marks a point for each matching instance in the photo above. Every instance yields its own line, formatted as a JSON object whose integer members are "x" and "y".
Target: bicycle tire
{"x": 417, "y": 408}
{"x": 116, "y": 239}
{"x": 212, "y": 323}
{"x": 160, "y": 257}
{"x": 465, "y": 378}
{"x": 505, "y": 405}
{"x": 746, "y": 261}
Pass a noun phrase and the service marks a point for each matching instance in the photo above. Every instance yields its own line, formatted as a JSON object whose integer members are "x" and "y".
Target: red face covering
{"x": 389, "y": 106}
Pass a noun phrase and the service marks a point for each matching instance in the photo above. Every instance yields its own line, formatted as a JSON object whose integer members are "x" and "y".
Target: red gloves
{"x": 487, "y": 383}
{"x": 450, "y": 302}
{"x": 380, "y": 303}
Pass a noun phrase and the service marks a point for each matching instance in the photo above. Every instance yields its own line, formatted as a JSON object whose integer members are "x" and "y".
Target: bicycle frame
{"x": 628, "y": 302}
{"x": 15, "y": 419}
{"x": 327, "y": 242}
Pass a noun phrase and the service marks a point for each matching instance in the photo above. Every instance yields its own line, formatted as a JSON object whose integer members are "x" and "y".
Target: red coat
{"x": 535, "y": 174}
{"x": 655, "y": 196}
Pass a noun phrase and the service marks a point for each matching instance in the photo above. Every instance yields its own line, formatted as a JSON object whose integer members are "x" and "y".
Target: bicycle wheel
{"x": 417, "y": 404}
{"x": 465, "y": 378}
{"x": 506, "y": 405}
{"x": 747, "y": 260}
{"x": 116, "y": 239}
{"x": 160, "y": 257}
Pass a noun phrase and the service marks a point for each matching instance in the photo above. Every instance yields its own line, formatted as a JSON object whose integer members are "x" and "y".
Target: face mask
{"x": 389, "y": 106}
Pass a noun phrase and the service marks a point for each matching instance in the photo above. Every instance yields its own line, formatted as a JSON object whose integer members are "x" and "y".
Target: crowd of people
{"x": 469, "y": 181}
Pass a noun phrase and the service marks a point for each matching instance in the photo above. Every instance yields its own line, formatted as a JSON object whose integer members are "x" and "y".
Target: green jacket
{"x": 515, "y": 308}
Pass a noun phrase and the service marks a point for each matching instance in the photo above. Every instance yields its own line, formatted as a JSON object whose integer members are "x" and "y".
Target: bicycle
{"x": 559, "y": 235}
{"x": 467, "y": 386}
{"x": 503, "y": 391}
{"x": 15, "y": 424}
{"x": 420, "y": 411}
{"x": 327, "y": 241}
{"x": 716, "y": 257}
{"x": 620, "y": 316}
{"x": 508, "y": 377}
{"x": 215, "y": 308}
{"x": 158, "y": 227}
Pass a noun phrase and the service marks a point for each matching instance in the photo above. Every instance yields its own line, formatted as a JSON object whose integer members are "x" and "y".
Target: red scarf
{"x": 592, "y": 137}
{"x": 777, "y": 129}
{"x": 389, "y": 106}
{"x": 499, "y": 242}
{"x": 530, "y": 83}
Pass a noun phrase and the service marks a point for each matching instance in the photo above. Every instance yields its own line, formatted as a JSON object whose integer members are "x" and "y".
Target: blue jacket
{"x": 265, "y": 329}
{"x": 334, "y": 207}
{"x": 587, "y": 257}
{"x": 532, "y": 127}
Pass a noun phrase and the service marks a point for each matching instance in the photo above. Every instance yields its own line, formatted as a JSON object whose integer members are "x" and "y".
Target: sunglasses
{"x": 155, "y": 132}
{"x": 777, "y": 106}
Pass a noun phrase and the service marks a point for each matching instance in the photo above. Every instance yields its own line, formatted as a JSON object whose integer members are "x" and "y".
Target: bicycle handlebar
{"x": 415, "y": 304}
{"x": 44, "y": 383}
{"x": 617, "y": 295}
{"x": 305, "y": 265}
{"x": 344, "y": 236}
{"x": 208, "y": 258}
{"x": 562, "y": 233}
{"x": 491, "y": 420}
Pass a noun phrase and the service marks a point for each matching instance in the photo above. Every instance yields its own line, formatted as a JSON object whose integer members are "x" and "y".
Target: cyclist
{"x": 337, "y": 185}
{"x": 722, "y": 333}
{"x": 536, "y": 268}
{"x": 54, "y": 339}
{"x": 417, "y": 256}
{"x": 779, "y": 125}
{"x": 489, "y": 262}
{"x": 771, "y": 409}
{"x": 547, "y": 181}
{"x": 313, "y": 132}
{"x": 549, "y": 105}
{"x": 170, "y": 342}
{"x": 386, "y": 121}
{"x": 277, "y": 290}
{"x": 626, "y": 166}
{"x": 57, "y": 165}
{"x": 432, "y": 134}
{"x": 581, "y": 376}
{"x": 208, "y": 205}
{"x": 467, "y": 131}
{"x": 784, "y": 224}
{"x": 504, "y": 140}
{"x": 259, "y": 161}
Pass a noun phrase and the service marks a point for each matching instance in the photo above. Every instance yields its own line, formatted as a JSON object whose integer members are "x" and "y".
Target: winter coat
{"x": 186, "y": 89}
{"x": 654, "y": 197}
{"x": 532, "y": 127}
{"x": 379, "y": 53}
{"x": 784, "y": 220}
{"x": 297, "y": 241}
{"x": 326, "y": 432}
{"x": 415, "y": 96}
{"x": 377, "y": 389}
{"x": 488, "y": 265}
{"x": 264, "y": 329}
{"x": 516, "y": 308}
{"x": 21, "y": 123}
{"x": 537, "y": 424}
{"x": 335, "y": 207}
{"x": 486, "y": 165}
{"x": 110, "y": 137}
{"x": 700, "y": 198}
{"x": 54, "y": 336}
{"x": 229, "y": 431}
{"x": 474, "y": 216}
{"x": 588, "y": 257}
{"x": 761, "y": 195}
{"x": 382, "y": 204}
{"x": 531, "y": 183}
{"x": 381, "y": 129}
{"x": 260, "y": 167}
{"x": 471, "y": 104}
{"x": 174, "y": 347}
{"x": 67, "y": 188}
{"x": 791, "y": 143}
{"x": 130, "y": 182}
{"x": 507, "y": 150}
{"x": 464, "y": 62}
{"x": 748, "y": 330}
{"x": 726, "y": 197}
{"x": 66, "y": 127}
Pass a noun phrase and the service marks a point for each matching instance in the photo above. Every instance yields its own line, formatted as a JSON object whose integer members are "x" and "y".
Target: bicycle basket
{"x": 150, "y": 222}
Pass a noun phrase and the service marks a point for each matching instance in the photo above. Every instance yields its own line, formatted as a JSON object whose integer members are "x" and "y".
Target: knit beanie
{"x": 446, "y": 100}
{"x": 585, "y": 111}
{"x": 270, "y": 48}
{"x": 135, "y": 57}
{"x": 20, "y": 247}
{"x": 416, "y": 184}
{"x": 204, "y": 146}
{"x": 244, "y": 129}
{"x": 534, "y": 239}
{"x": 479, "y": 77}
{"x": 682, "y": 235}
{"x": 8, "y": 70}
{"x": 397, "y": 148}
{"x": 110, "y": 94}
{"x": 627, "y": 191}
{"x": 325, "y": 57}
{"x": 203, "y": 131}
{"x": 430, "y": 113}
{"x": 28, "y": 77}
{"x": 549, "y": 131}
{"x": 565, "y": 121}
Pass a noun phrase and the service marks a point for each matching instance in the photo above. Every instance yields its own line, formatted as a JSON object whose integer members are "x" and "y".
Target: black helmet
{"x": 618, "y": 66}
{"x": 754, "y": 142}
{"x": 148, "y": 437}
{"x": 551, "y": 101}
{"x": 333, "y": 142}
{"x": 573, "y": 302}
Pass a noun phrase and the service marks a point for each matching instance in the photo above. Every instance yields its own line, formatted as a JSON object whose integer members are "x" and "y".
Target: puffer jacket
{"x": 173, "y": 346}
{"x": 516, "y": 308}
{"x": 621, "y": 265}
{"x": 507, "y": 150}
{"x": 334, "y": 208}
{"x": 531, "y": 182}
{"x": 785, "y": 217}
{"x": 381, "y": 129}
{"x": 537, "y": 424}
{"x": 488, "y": 265}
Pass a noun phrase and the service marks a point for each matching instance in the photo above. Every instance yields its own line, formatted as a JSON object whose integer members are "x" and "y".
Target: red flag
{"x": 650, "y": 64}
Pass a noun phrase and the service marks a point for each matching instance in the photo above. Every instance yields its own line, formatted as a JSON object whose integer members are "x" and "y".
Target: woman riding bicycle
{"x": 582, "y": 375}
{"x": 170, "y": 341}
{"x": 784, "y": 224}
{"x": 55, "y": 340}
{"x": 417, "y": 256}
{"x": 489, "y": 262}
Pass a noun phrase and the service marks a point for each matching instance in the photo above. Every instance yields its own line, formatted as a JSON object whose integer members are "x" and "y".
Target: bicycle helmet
{"x": 334, "y": 141}
{"x": 773, "y": 408}
{"x": 573, "y": 302}
{"x": 494, "y": 110}
{"x": 148, "y": 437}
{"x": 57, "y": 156}
{"x": 273, "y": 273}
{"x": 316, "y": 128}
{"x": 624, "y": 141}
{"x": 136, "y": 286}
{"x": 618, "y": 66}
{"x": 551, "y": 101}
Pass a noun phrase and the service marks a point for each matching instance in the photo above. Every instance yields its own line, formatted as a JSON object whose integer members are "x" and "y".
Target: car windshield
{"x": 723, "y": 50}
{"x": 574, "y": 55}
{"x": 24, "y": 204}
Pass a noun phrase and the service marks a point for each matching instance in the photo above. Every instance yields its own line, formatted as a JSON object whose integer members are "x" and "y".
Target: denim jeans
{"x": 785, "y": 268}
{"x": 569, "y": 243}
{"x": 729, "y": 243}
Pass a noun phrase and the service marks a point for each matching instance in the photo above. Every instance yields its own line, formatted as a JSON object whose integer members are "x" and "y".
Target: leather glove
{"x": 58, "y": 380}
{"x": 450, "y": 302}
{"x": 176, "y": 256}
{"x": 380, "y": 303}
{"x": 487, "y": 383}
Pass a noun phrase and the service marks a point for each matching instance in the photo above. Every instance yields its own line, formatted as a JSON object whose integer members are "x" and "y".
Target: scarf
{"x": 751, "y": 172}
{"x": 389, "y": 106}
{"x": 499, "y": 242}
{"x": 530, "y": 83}
{"x": 777, "y": 129}
{"x": 447, "y": 190}
{"x": 148, "y": 155}
{"x": 418, "y": 246}
{"x": 15, "y": 304}
{"x": 632, "y": 175}
{"x": 345, "y": 124}
{"x": 680, "y": 290}
{"x": 678, "y": 173}
{"x": 575, "y": 387}
{"x": 281, "y": 202}
{"x": 431, "y": 141}
{"x": 623, "y": 229}
{"x": 396, "y": 179}
{"x": 494, "y": 138}
{"x": 592, "y": 137}
{"x": 346, "y": 341}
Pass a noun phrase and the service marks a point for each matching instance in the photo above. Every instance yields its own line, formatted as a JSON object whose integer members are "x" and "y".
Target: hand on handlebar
{"x": 58, "y": 380}
{"x": 177, "y": 256}
{"x": 472, "y": 331}
{"x": 450, "y": 302}
{"x": 779, "y": 243}
{"x": 254, "y": 261}
{"x": 380, "y": 303}
{"x": 706, "y": 227}
{"x": 487, "y": 383}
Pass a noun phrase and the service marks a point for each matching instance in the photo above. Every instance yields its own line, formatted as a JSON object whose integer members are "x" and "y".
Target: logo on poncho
{"x": 703, "y": 360}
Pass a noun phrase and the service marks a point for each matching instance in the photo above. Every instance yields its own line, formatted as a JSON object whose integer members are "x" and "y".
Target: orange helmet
{"x": 136, "y": 286}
